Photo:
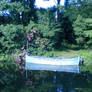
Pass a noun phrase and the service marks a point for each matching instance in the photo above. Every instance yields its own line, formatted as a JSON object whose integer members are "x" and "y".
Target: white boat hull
{"x": 52, "y": 61}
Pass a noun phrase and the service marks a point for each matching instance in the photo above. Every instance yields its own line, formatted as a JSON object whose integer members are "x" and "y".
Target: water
{"x": 58, "y": 68}
{"x": 46, "y": 81}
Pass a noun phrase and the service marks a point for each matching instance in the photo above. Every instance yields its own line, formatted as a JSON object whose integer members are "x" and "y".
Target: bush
{"x": 11, "y": 37}
{"x": 37, "y": 44}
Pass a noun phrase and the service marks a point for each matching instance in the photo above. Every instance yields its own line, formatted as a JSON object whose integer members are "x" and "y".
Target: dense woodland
{"x": 56, "y": 27}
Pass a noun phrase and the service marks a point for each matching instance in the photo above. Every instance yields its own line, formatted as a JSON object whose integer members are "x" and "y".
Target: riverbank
{"x": 66, "y": 53}
{"x": 86, "y": 54}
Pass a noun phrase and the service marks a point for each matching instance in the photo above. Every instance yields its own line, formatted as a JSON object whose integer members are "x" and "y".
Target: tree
{"x": 21, "y": 12}
{"x": 88, "y": 31}
{"x": 79, "y": 28}
{"x": 13, "y": 9}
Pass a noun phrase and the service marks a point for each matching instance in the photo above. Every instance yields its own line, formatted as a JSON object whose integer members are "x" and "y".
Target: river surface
{"x": 47, "y": 81}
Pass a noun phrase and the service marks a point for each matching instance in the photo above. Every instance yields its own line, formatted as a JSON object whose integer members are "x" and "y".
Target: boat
{"x": 52, "y": 60}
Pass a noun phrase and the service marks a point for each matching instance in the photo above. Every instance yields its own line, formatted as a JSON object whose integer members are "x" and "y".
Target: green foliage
{"x": 79, "y": 28}
{"x": 88, "y": 30}
{"x": 49, "y": 54}
{"x": 85, "y": 8}
{"x": 87, "y": 55}
{"x": 88, "y": 23}
{"x": 12, "y": 7}
{"x": 37, "y": 44}
{"x": 82, "y": 29}
{"x": 20, "y": 12}
{"x": 57, "y": 30}
{"x": 12, "y": 37}
{"x": 46, "y": 22}
{"x": 46, "y": 30}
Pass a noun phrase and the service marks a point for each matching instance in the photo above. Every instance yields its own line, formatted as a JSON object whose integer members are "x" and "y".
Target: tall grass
{"x": 87, "y": 55}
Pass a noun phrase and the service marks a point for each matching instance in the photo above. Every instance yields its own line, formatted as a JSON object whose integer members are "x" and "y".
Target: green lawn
{"x": 67, "y": 53}
{"x": 72, "y": 53}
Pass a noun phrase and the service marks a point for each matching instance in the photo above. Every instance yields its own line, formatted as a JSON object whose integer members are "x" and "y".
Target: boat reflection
{"x": 58, "y": 68}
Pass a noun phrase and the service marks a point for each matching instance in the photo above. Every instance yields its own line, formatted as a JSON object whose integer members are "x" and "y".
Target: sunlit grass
{"x": 67, "y": 53}
{"x": 86, "y": 54}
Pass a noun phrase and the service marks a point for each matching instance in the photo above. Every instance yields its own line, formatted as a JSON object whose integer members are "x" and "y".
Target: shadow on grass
{"x": 69, "y": 47}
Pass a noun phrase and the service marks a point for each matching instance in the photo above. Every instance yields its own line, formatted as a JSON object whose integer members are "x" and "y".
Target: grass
{"x": 86, "y": 54}
{"x": 67, "y": 53}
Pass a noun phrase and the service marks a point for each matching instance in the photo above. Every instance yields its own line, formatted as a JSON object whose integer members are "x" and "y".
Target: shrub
{"x": 37, "y": 44}
{"x": 11, "y": 37}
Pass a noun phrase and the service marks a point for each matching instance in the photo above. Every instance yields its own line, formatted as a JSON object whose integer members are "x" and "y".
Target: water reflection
{"x": 47, "y": 81}
{"x": 59, "y": 68}
{"x": 62, "y": 82}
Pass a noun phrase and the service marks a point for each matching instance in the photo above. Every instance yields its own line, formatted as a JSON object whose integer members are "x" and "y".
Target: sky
{"x": 46, "y": 4}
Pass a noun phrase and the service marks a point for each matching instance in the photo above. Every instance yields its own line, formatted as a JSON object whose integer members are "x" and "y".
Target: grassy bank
{"x": 85, "y": 53}
{"x": 65, "y": 53}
